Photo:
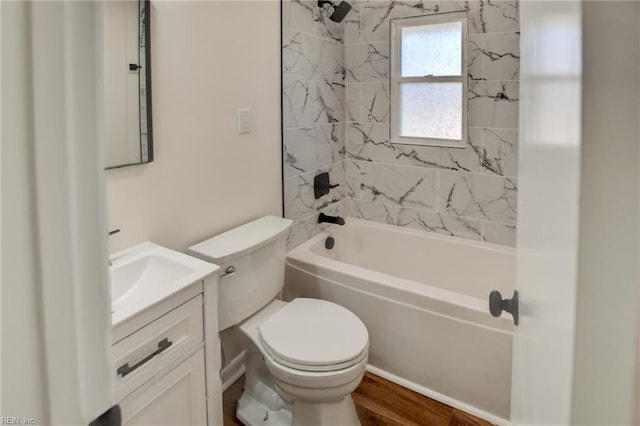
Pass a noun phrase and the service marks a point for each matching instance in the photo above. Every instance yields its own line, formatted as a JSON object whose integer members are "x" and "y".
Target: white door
{"x": 577, "y": 275}
{"x": 548, "y": 211}
{"x": 56, "y": 366}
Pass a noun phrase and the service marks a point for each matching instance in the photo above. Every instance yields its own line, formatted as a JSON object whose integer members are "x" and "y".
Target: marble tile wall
{"x": 313, "y": 114}
{"x": 468, "y": 192}
{"x": 336, "y": 119}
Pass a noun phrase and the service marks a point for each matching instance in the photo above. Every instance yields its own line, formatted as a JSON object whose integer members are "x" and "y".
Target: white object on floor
{"x": 252, "y": 413}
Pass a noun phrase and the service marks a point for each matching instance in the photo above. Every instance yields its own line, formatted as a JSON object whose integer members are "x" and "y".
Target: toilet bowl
{"x": 315, "y": 352}
{"x": 305, "y": 357}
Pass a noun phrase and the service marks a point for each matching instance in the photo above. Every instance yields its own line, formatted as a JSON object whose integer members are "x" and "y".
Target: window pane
{"x": 431, "y": 110}
{"x": 434, "y": 49}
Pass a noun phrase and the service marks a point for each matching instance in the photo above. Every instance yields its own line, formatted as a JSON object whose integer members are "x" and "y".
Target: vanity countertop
{"x": 146, "y": 274}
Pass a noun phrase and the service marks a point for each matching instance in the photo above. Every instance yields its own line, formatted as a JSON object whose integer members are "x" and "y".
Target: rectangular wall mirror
{"x": 127, "y": 83}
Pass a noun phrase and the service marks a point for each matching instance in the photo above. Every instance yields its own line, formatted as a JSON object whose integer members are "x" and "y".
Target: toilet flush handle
{"x": 229, "y": 271}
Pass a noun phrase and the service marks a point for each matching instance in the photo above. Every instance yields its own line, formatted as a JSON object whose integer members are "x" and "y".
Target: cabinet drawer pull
{"x": 162, "y": 346}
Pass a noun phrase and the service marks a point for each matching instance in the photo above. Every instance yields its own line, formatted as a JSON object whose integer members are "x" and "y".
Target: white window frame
{"x": 395, "y": 78}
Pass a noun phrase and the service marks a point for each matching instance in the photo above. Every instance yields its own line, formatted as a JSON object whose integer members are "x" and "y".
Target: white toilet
{"x": 305, "y": 356}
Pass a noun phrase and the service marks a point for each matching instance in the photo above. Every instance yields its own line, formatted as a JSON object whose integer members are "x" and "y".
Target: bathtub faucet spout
{"x": 324, "y": 218}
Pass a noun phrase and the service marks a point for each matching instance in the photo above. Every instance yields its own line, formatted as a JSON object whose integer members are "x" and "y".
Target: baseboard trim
{"x": 439, "y": 397}
{"x": 232, "y": 371}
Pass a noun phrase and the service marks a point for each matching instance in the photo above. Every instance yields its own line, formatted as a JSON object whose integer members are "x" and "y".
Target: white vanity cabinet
{"x": 175, "y": 398}
{"x": 157, "y": 346}
{"x": 160, "y": 367}
{"x": 163, "y": 343}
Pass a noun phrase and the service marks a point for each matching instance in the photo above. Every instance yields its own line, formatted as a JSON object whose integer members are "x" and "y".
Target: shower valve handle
{"x": 497, "y": 304}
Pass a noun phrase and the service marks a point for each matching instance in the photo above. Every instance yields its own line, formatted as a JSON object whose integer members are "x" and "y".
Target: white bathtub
{"x": 424, "y": 300}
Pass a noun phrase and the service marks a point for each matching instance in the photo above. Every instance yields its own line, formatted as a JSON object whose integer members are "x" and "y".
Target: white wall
{"x": 608, "y": 276}
{"x": 208, "y": 59}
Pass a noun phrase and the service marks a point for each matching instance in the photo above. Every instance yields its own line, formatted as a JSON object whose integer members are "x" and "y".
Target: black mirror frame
{"x": 147, "y": 59}
{"x": 147, "y": 72}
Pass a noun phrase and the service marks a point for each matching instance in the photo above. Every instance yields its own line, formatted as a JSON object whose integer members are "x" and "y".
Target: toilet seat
{"x": 318, "y": 368}
{"x": 314, "y": 335}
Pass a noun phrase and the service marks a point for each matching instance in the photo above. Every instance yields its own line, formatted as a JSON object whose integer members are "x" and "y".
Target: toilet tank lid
{"x": 240, "y": 240}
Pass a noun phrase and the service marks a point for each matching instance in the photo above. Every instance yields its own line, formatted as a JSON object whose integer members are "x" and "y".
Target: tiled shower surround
{"x": 336, "y": 115}
{"x": 313, "y": 114}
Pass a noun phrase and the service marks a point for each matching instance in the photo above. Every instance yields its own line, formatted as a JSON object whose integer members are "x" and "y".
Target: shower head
{"x": 339, "y": 11}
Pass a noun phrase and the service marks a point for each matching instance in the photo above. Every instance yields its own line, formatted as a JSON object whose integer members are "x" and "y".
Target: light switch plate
{"x": 244, "y": 120}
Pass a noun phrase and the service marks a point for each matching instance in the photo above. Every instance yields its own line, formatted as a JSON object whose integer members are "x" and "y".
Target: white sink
{"x": 146, "y": 274}
{"x": 143, "y": 273}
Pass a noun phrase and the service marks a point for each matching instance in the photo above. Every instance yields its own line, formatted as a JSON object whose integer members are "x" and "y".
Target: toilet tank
{"x": 251, "y": 257}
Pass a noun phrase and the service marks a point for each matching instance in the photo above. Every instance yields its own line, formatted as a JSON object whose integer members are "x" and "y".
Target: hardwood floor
{"x": 380, "y": 402}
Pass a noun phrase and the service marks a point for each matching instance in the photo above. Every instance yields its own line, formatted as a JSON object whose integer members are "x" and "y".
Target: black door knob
{"x": 497, "y": 304}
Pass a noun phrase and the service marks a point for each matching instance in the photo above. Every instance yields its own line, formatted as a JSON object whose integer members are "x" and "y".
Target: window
{"x": 429, "y": 80}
